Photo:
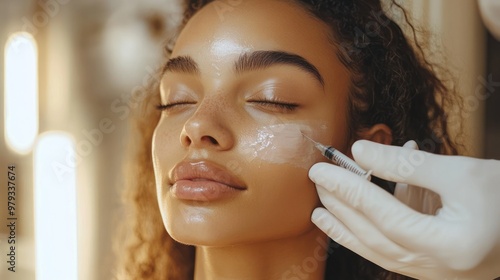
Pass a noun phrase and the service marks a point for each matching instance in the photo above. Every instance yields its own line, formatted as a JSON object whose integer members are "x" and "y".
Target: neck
{"x": 298, "y": 257}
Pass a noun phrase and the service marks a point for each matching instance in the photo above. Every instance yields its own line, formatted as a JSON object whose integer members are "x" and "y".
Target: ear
{"x": 380, "y": 133}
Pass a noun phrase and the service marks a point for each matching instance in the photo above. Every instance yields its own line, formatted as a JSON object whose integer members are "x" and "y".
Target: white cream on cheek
{"x": 281, "y": 144}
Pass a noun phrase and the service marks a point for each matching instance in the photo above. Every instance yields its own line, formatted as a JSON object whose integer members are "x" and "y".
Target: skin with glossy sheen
{"x": 224, "y": 120}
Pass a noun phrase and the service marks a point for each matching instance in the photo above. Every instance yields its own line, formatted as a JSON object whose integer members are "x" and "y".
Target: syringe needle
{"x": 309, "y": 138}
{"x": 322, "y": 148}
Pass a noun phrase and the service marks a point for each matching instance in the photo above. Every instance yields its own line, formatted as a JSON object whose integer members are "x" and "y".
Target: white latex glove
{"x": 420, "y": 199}
{"x": 462, "y": 241}
{"x": 490, "y": 12}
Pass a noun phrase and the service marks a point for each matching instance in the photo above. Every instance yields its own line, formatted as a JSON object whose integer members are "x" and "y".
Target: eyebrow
{"x": 182, "y": 64}
{"x": 248, "y": 62}
{"x": 264, "y": 59}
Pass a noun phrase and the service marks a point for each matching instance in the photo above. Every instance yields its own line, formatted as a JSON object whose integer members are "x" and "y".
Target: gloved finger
{"x": 394, "y": 219}
{"x": 408, "y": 166}
{"x": 363, "y": 228}
{"x": 411, "y": 144}
{"x": 339, "y": 232}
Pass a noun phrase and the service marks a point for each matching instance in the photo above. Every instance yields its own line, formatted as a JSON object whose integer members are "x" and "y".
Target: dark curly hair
{"x": 391, "y": 83}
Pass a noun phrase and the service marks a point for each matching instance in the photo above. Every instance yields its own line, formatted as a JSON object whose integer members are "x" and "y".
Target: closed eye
{"x": 267, "y": 103}
{"x": 166, "y": 107}
{"x": 286, "y": 106}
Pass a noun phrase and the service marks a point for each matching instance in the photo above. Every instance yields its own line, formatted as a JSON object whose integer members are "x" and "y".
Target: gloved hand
{"x": 461, "y": 241}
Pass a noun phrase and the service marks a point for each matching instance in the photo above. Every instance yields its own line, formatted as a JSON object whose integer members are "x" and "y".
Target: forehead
{"x": 215, "y": 37}
{"x": 251, "y": 25}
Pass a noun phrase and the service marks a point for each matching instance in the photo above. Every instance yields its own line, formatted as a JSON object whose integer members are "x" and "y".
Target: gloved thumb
{"x": 403, "y": 165}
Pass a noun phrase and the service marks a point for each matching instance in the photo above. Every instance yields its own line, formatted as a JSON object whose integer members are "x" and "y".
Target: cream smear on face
{"x": 281, "y": 144}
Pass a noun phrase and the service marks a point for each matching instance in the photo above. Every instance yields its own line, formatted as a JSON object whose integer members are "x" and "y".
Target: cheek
{"x": 282, "y": 199}
{"x": 283, "y": 144}
{"x": 166, "y": 150}
{"x": 278, "y": 158}
{"x": 166, "y": 140}
{"x": 289, "y": 188}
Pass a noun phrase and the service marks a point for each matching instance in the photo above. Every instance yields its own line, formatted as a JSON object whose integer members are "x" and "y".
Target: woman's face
{"x": 243, "y": 83}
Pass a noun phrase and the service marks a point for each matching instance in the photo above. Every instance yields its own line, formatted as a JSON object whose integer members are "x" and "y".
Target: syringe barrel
{"x": 344, "y": 161}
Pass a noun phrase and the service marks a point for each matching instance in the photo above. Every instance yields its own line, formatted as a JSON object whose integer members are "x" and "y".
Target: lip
{"x": 203, "y": 181}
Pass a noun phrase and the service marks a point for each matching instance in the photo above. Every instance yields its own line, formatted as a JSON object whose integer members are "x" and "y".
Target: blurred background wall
{"x": 93, "y": 55}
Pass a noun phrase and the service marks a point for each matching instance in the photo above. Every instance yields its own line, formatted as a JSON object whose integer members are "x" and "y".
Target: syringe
{"x": 340, "y": 159}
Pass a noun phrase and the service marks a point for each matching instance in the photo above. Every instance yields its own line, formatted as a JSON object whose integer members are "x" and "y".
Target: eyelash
{"x": 277, "y": 104}
{"x": 271, "y": 103}
{"x": 166, "y": 107}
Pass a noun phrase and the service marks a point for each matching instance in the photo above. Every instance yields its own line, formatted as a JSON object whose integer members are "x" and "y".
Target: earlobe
{"x": 379, "y": 133}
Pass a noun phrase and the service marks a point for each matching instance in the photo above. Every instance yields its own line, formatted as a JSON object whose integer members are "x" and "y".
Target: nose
{"x": 208, "y": 127}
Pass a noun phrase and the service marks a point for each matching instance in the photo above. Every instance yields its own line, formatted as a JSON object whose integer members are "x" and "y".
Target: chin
{"x": 195, "y": 225}
{"x": 208, "y": 238}
{"x": 203, "y": 234}
{"x": 204, "y": 226}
